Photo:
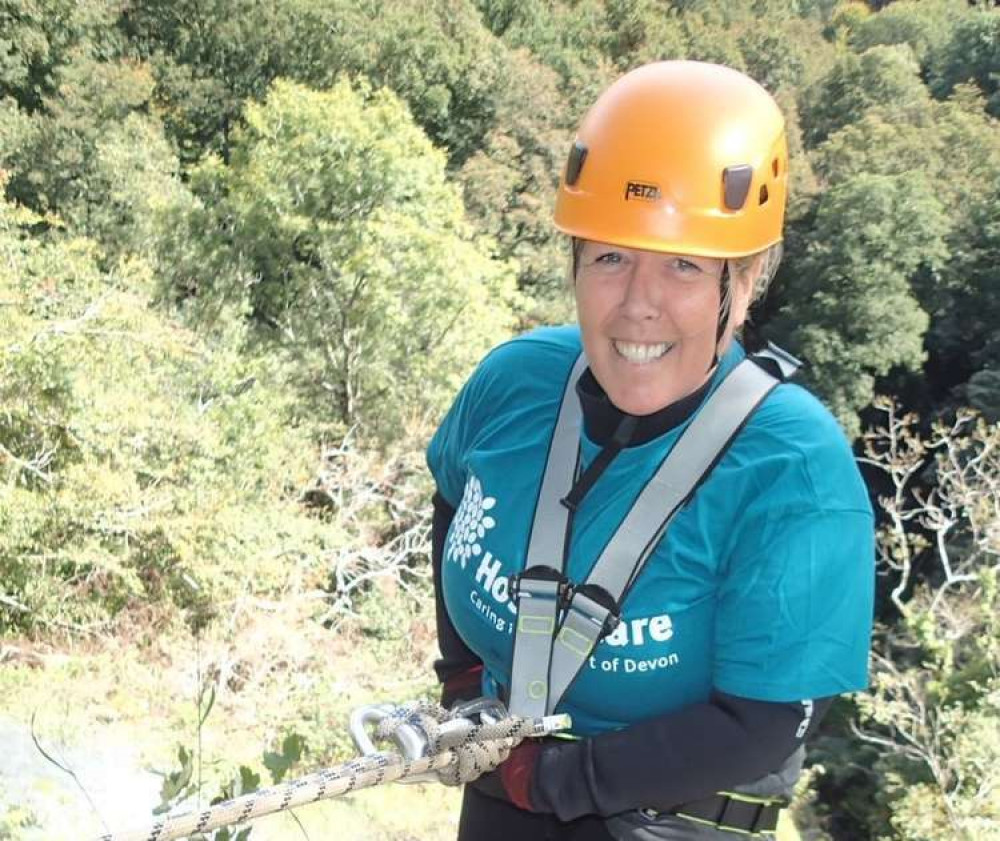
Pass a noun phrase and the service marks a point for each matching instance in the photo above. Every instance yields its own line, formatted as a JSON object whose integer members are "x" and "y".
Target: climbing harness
{"x": 450, "y": 746}
{"x": 559, "y": 622}
{"x": 735, "y": 812}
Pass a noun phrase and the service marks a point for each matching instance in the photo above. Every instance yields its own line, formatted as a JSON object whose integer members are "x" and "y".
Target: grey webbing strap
{"x": 698, "y": 448}
{"x": 621, "y": 561}
{"x": 548, "y": 531}
{"x": 537, "y": 613}
{"x": 538, "y": 599}
{"x": 580, "y": 631}
{"x": 787, "y": 364}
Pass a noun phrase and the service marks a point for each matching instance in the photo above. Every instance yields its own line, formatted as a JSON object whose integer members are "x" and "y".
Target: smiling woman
{"x": 649, "y": 321}
{"x": 679, "y": 540}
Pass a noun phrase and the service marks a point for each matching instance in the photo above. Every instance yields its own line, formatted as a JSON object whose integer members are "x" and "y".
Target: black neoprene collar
{"x": 601, "y": 417}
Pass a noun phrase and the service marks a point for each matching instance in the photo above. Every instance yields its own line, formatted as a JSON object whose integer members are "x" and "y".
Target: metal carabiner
{"x": 489, "y": 710}
{"x": 411, "y": 741}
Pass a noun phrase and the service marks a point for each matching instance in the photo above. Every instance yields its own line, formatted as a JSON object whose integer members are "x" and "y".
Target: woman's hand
{"x": 517, "y": 772}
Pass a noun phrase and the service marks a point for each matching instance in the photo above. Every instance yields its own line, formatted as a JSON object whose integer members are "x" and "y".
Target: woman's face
{"x": 649, "y": 320}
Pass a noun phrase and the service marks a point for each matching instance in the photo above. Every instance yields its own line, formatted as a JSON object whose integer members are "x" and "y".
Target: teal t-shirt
{"x": 762, "y": 587}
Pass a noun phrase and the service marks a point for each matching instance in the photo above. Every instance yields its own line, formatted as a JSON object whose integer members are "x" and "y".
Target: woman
{"x": 698, "y": 644}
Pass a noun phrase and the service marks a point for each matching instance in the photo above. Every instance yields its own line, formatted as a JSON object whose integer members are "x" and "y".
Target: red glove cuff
{"x": 516, "y": 773}
{"x": 462, "y": 687}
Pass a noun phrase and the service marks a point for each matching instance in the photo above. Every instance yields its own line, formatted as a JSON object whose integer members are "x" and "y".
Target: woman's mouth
{"x": 640, "y": 352}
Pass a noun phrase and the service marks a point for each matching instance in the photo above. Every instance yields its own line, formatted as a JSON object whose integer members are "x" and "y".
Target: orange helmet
{"x": 679, "y": 156}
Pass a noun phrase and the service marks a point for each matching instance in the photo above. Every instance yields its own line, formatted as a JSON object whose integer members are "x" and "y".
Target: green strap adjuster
{"x": 731, "y": 811}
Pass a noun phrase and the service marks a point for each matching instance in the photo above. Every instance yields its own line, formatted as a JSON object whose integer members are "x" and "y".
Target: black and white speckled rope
{"x": 458, "y": 751}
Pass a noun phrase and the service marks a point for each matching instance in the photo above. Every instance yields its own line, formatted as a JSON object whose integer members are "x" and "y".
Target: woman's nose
{"x": 640, "y": 297}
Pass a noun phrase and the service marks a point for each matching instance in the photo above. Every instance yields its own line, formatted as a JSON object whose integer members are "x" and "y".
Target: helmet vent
{"x": 577, "y": 155}
{"x": 762, "y": 198}
{"x": 774, "y": 167}
{"x": 736, "y": 185}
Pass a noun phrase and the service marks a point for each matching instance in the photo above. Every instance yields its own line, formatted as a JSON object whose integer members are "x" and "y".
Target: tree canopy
{"x": 242, "y": 238}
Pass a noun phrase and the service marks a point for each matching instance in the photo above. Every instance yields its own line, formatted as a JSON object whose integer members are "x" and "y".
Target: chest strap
{"x": 559, "y": 622}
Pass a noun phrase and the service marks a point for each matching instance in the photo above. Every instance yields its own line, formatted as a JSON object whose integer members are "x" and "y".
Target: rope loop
{"x": 477, "y": 747}
{"x": 444, "y": 744}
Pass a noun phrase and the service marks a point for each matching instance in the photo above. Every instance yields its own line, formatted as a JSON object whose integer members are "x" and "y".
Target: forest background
{"x": 249, "y": 252}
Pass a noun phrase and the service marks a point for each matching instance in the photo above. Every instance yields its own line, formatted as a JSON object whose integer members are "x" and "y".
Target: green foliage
{"x": 853, "y": 313}
{"x": 878, "y": 144}
{"x": 14, "y": 821}
{"x": 181, "y": 785}
{"x": 347, "y": 242}
{"x": 781, "y": 48}
{"x": 972, "y": 54}
{"x": 38, "y": 37}
{"x": 885, "y": 76}
{"x": 564, "y": 37}
{"x": 924, "y": 25}
{"x": 965, "y": 329}
{"x": 133, "y": 174}
{"x": 503, "y": 115}
{"x": 177, "y": 783}
{"x": 921, "y": 763}
{"x": 279, "y": 764}
{"x": 771, "y": 61}
{"x": 184, "y": 784}
{"x": 219, "y": 275}
{"x": 208, "y": 59}
{"x": 51, "y": 162}
{"x": 711, "y": 38}
{"x": 91, "y": 155}
{"x": 934, "y": 710}
{"x": 941, "y": 710}
{"x": 845, "y": 18}
{"x": 954, "y": 147}
{"x": 140, "y": 463}
{"x": 640, "y": 31}
{"x": 442, "y": 63}
{"x": 509, "y": 185}
{"x": 36, "y": 383}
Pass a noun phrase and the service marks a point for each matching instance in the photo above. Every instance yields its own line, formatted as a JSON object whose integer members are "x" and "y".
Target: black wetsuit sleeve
{"x": 666, "y": 761}
{"x": 456, "y": 657}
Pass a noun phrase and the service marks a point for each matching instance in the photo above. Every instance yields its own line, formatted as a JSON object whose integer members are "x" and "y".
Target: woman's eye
{"x": 686, "y": 265}
{"x": 609, "y": 258}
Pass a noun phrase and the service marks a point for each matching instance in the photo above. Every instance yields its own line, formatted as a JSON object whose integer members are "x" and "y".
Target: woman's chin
{"x": 644, "y": 395}
{"x": 633, "y": 403}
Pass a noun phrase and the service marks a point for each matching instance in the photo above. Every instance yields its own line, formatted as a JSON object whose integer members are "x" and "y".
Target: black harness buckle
{"x": 735, "y": 813}
{"x": 564, "y": 587}
{"x": 596, "y": 593}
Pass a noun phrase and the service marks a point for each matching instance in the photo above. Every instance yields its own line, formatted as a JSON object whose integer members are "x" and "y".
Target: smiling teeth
{"x": 635, "y": 352}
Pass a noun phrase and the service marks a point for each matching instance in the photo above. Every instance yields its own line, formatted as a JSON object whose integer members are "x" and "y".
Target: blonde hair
{"x": 765, "y": 263}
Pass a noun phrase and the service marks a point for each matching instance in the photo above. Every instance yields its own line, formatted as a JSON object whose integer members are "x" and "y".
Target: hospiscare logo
{"x": 622, "y": 650}
{"x": 471, "y": 523}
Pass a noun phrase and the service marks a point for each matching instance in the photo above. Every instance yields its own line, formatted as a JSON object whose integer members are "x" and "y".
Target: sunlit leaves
{"x": 352, "y": 252}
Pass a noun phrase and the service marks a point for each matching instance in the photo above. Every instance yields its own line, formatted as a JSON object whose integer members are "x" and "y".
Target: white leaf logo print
{"x": 471, "y": 523}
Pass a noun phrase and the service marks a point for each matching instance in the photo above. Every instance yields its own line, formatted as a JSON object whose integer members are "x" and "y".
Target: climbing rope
{"x": 449, "y": 746}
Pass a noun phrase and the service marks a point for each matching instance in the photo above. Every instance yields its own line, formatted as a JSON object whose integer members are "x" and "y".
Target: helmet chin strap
{"x": 725, "y": 306}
